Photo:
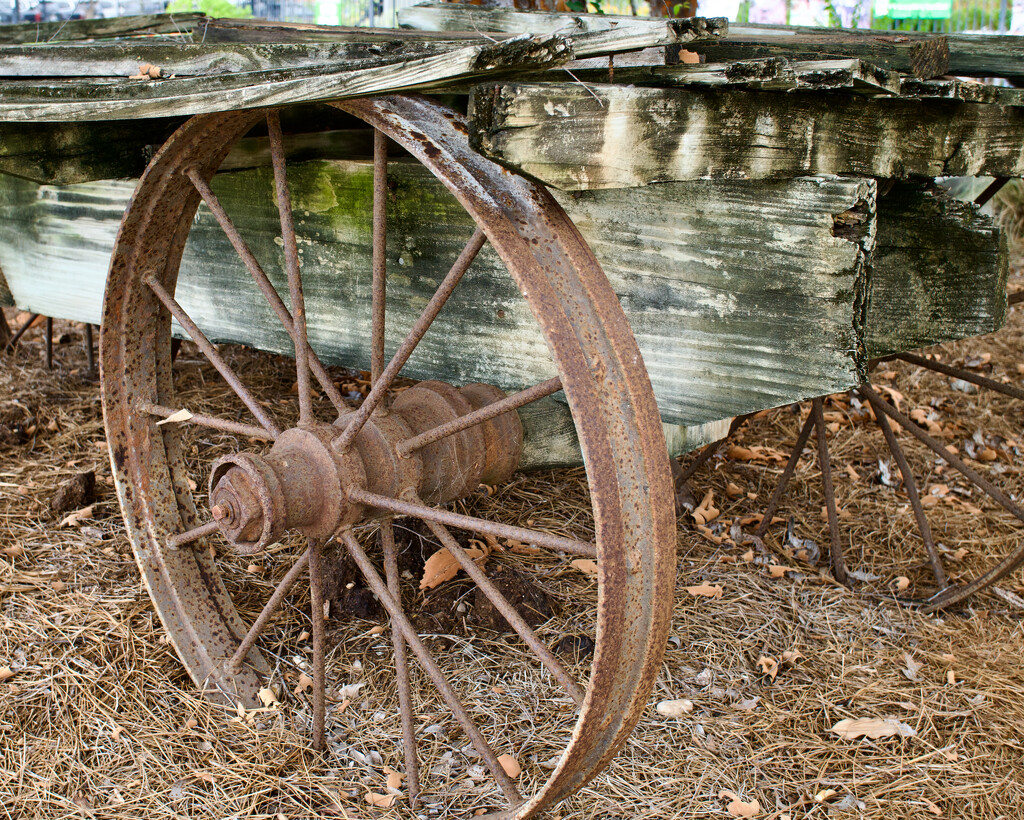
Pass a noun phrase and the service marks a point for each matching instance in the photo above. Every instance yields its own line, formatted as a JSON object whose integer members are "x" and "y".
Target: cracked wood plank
{"x": 178, "y": 25}
{"x": 604, "y": 136}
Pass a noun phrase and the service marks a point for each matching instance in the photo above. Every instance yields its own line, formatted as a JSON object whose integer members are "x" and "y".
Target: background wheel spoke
{"x": 202, "y": 420}
{"x": 430, "y": 667}
{"x": 423, "y": 323}
{"x": 214, "y": 357}
{"x": 380, "y": 191}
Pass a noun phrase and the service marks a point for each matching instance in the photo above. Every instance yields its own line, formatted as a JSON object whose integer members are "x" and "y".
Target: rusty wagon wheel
{"x": 402, "y": 454}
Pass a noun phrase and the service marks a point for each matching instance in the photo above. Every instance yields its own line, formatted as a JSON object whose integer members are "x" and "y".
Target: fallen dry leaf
{"x": 706, "y": 511}
{"x": 181, "y": 415}
{"x": 376, "y": 630}
{"x": 874, "y": 728}
{"x": 932, "y": 807}
{"x": 442, "y": 566}
{"x": 776, "y": 571}
{"x": 769, "y": 666}
{"x": 902, "y": 583}
{"x": 949, "y": 658}
{"x": 747, "y": 557}
{"x": 268, "y": 697}
{"x": 585, "y": 565}
{"x": 674, "y": 708}
{"x": 77, "y": 517}
{"x": 951, "y": 677}
{"x": 6, "y": 673}
{"x": 510, "y": 765}
{"x": 394, "y": 780}
{"x": 381, "y": 801}
{"x": 305, "y": 682}
{"x": 912, "y": 667}
{"x": 707, "y": 590}
{"x": 13, "y": 552}
{"x": 739, "y": 808}
{"x": 733, "y": 490}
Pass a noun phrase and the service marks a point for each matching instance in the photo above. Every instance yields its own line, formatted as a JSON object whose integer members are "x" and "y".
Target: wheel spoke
{"x": 412, "y": 763}
{"x": 380, "y": 191}
{"x": 444, "y": 688}
{"x": 187, "y": 537}
{"x": 234, "y": 664}
{"x": 490, "y": 411}
{"x": 21, "y": 331}
{"x": 212, "y": 422}
{"x": 265, "y": 285}
{"x": 316, "y": 590}
{"x": 915, "y": 500}
{"x": 509, "y": 612}
{"x": 291, "y": 265}
{"x": 405, "y": 350}
{"x": 214, "y": 357}
{"x": 468, "y": 522}
{"x": 838, "y": 562}
{"x": 787, "y": 474}
{"x": 951, "y": 595}
{"x": 957, "y": 373}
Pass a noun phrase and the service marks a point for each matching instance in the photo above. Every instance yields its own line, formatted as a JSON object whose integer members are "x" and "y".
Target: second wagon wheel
{"x": 397, "y": 454}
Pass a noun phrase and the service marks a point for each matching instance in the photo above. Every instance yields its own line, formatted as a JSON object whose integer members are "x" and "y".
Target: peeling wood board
{"x": 970, "y": 55}
{"x": 94, "y": 99}
{"x": 252, "y": 30}
{"x": 122, "y": 59}
{"x": 771, "y": 74}
{"x": 102, "y": 28}
{"x": 740, "y": 296}
{"x": 575, "y": 138}
{"x": 940, "y": 269}
{"x": 961, "y": 90}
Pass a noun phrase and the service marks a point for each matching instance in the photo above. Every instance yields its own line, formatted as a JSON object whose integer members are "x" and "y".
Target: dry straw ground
{"x": 99, "y": 720}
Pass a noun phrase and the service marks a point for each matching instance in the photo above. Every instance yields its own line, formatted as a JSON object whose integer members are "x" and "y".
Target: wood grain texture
{"x": 741, "y": 297}
{"x": 575, "y": 138}
{"x": 102, "y": 28}
{"x": 970, "y": 55}
{"x": 99, "y": 98}
{"x": 939, "y": 272}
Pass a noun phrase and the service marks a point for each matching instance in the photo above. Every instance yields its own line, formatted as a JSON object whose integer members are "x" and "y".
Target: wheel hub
{"x": 303, "y": 482}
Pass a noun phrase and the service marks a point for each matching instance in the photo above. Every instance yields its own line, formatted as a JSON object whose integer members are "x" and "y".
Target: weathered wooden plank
{"x": 65, "y": 153}
{"x": 970, "y": 55}
{"x": 938, "y": 272}
{"x": 6, "y": 298}
{"x": 92, "y": 99}
{"x": 741, "y": 297}
{"x": 122, "y": 59}
{"x": 771, "y": 74}
{"x": 972, "y": 91}
{"x": 101, "y": 28}
{"x": 220, "y": 30}
{"x": 605, "y": 136}
{"x": 922, "y": 56}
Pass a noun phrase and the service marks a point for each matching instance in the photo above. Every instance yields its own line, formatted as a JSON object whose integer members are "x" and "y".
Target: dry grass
{"x": 101, "y": 721}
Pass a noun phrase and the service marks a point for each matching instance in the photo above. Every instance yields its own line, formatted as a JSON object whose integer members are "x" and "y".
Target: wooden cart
{"x": 626, "y": 251}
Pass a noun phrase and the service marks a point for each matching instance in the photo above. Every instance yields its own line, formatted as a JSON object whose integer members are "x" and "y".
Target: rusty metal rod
{"x": 224, "y": 425}
{"x": 316, "y": 595}
{"x": 1015, "y": 298}
{"x": 915, "y": 499}
{"x": 21, "y": 330}
{"x": 89, "y": 352}
{"x": 234, "y": 663}
{"x": 467, "y": 522}
{"x": 508, "y": 612}
{"x": 993, "y": 188}
{"x": 215, "y": 358}
{"x": 952, "y": 595}
{"x": 838, "y": 563}
{"x": 291, "y": 265}
{"x": 380, "y": 213}
{"x": 265, "y": 285}
{"x": 490, "y": 411}
{"x": 787, "y": 473}
{"x": 187, "y": 537}
{"x": 412, "y": 763}
{"x": 957, "y": 373}
{"x": 430, "y": 667}
{"x": 49, "y": 343}
{"x": 405, "y": 350}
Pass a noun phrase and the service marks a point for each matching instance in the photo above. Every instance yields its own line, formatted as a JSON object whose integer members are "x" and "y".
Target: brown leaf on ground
{"x": 738, "y": 807}
{"x": 380, "y": 801}
{"x": 706, "y": 511}
{"x": 769, "y": 666}
{"x": 874, "y": 728}
{"x": 6, "y": 673}
{"x": 442, "y": 566}
{"x": 510, "y": 765}
{"x": 706, "y": 590}
{"x": 77, "y": 517}
{"x": 584, "y": 565}
{"x": 675, "y": 708}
